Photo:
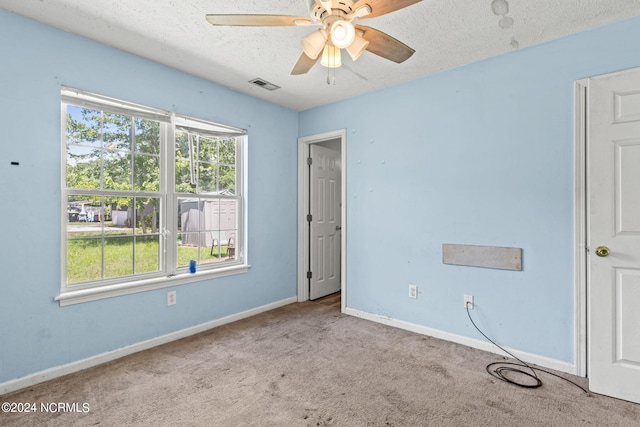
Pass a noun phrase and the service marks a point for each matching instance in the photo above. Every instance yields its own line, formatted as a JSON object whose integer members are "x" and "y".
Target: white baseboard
{"x": 79, "y": 365}
{"x": 535, "y": 359}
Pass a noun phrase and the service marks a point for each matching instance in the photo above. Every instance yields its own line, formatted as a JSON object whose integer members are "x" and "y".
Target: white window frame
{"x": 169, "y": 274}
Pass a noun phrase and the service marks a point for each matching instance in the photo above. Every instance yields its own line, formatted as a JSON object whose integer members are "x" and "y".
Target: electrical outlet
{"x": 171, "y": 298}
{"x": 468, "y": 302}
{"x": 413, "y": 291}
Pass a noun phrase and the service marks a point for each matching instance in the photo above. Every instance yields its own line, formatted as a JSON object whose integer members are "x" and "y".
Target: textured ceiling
{"x": 444, "y": 33}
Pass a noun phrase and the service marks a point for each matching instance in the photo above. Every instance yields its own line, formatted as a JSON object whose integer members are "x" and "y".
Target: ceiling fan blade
{"x": 304, "y": 64}
{"x": 384, "y": 45}
{"x": 258, "y": 20}
{"x": 382, "y": 7}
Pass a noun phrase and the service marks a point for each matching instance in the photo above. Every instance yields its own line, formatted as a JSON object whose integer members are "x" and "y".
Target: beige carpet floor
{"x": 308, "y": 365}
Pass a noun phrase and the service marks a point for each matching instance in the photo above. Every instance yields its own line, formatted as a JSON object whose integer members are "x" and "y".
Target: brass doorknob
{"x": 602, "y": 251}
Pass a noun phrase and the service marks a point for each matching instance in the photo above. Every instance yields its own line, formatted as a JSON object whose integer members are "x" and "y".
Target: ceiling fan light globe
{"x": 358, "y": 47}
{"x": 342, "y": 34}
{"x": 313, "y": 44}
{"x": 331, "y": 57}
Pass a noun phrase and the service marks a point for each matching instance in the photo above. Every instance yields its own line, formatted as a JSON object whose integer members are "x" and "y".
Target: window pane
{"x": 210, "y": 218}
{"x": 206, "y": 178}
{"x": 189, "y": 215}
{"x": 231, "y": 243}
{"x": 229, "y": 215}
{"x": 117, "y": 132}
{"x": 147, "y": 215}
{"x": 84, "y": 260}
{"x": 85, "y": 230}
{"x": 208, "y": 230}
{"x": 121, "y": 215}
{"x": 182, "y": 145}
{"x": 85, "y": 216}
{"x": 207, "y": 150}
{"x": 147, "y": 230}
{"x": 227, "y": 180}
{"x": 147, "y": 254}
{"x": 118, "y": 257}
{"x": 83, "y": 167}
{"x": 210, "y": 225}
{"x": 84, "y": 126}
{"x": 215, "y": 248}
{"x": 227, "y": 167}
{"x": 209, "y": 248}
{"x": 218, "y": 250}
{"x": 147, "y": 173}
{"x": 187, "y": 248}
{"x": 183, "y": 177}
{"x": 117, "y": 170}
{"x": 227, "y": 149}
{"x": 185, "y": 180}
{"x": 147, "y": 136}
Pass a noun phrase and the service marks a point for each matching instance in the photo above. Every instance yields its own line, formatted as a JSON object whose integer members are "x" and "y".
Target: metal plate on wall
{"x": 482, "y": 256}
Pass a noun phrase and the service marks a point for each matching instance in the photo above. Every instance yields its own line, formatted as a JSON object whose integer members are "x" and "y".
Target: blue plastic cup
{"x": 192, "y": 266}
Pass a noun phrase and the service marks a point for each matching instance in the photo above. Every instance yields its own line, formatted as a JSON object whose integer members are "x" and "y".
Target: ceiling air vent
{"x": 264, "y": 84}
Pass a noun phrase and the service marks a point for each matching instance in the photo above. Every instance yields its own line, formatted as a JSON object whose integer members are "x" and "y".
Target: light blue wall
{"x": 35, "y": 333}
{"x": 483, "y": 155}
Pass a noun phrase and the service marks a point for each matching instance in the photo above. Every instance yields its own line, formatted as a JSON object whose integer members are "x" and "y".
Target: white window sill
{"x": 110, "y": 291}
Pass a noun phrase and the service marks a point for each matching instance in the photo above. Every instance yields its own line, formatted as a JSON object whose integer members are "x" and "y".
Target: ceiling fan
{"x": 337, "y": 31}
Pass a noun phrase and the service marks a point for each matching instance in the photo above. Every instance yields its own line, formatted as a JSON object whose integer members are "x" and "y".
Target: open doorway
{"x": 321, "y": 216}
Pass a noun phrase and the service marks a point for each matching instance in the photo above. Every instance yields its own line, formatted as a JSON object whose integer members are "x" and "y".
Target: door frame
{"x": 303, "y": 203}
{"x": 581, "y": 293}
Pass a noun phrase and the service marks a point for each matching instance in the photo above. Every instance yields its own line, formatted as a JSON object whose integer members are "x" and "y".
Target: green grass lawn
{"x": 84, "y": 257}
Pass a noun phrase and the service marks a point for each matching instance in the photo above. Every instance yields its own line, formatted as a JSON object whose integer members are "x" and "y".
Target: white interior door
{"x": 325, "y": 225}
{"x": 613, "y": 168}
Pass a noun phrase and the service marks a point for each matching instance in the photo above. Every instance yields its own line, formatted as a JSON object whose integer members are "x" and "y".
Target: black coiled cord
{"x": 500, "y": 370}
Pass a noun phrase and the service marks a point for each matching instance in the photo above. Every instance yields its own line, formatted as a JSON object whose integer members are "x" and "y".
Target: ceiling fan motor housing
{"x": 318, "y": 13}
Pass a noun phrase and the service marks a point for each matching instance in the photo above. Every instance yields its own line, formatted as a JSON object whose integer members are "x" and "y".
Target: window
{"x": 146, "y": 194}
